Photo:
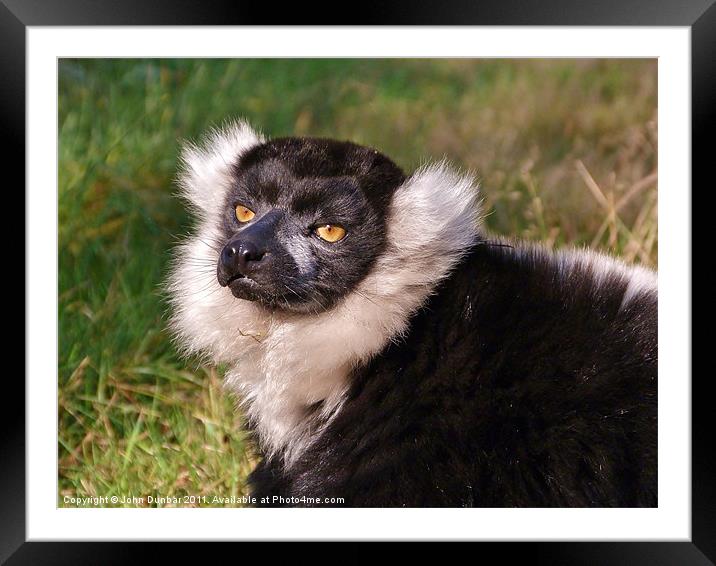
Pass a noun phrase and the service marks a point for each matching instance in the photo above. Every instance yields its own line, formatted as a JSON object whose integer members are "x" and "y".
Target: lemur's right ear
{"x": 205, "y": 172}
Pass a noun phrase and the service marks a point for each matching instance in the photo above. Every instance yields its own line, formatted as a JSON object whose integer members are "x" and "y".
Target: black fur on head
{"x": 294, "y": 186}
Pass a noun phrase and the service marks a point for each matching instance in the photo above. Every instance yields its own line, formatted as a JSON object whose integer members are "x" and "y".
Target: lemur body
{"x": 388, "y": 353}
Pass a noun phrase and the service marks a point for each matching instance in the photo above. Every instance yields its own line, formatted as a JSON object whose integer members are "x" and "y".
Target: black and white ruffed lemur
{"x": 387, "y": 352}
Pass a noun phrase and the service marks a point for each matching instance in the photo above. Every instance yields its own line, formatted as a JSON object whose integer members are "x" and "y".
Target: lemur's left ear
{"x": 381, "y": 179}
{"x": 205, "y": 172}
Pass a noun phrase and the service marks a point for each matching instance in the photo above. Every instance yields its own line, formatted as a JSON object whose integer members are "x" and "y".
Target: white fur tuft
{"x": 206, "y": 166}
{"x": 198, "y": 302}
{"x": 280, "y": 363}
{"x": 640, "y": 280}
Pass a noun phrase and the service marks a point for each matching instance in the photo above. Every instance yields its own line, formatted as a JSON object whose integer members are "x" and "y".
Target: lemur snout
{"x": 239, "y": 257}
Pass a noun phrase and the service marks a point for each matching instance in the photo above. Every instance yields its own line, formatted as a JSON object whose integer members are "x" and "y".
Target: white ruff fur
{"x": 640, "y": 279}
{"x": 279, "y": 363}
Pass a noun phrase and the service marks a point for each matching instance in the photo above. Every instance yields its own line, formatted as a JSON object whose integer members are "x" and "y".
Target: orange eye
{"x": 243, "y": 214}
{"x": 331, "y": 233}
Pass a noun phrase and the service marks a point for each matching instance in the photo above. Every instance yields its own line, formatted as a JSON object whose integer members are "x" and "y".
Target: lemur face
{"x": 304, "y": 221}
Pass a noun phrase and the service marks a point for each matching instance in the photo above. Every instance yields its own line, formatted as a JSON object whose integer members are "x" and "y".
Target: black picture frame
{"x": 698, "y": 15}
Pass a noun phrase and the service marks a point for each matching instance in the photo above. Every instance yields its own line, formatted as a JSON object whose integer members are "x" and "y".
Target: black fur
{"x": 516, "y": 385}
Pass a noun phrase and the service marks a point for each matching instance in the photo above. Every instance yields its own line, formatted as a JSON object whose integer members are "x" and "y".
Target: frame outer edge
{"x": 12, "y": 98}
{"x": 703, "y": 120}
{"x": 12, "y": 432}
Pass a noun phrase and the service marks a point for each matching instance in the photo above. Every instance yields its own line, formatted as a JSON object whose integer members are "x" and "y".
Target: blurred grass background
{"x": 565, "y": 149}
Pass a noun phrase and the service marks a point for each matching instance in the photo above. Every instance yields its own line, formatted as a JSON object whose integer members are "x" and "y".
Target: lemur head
{"x": 303, "y": 221}
{"x": 323, "y": 238}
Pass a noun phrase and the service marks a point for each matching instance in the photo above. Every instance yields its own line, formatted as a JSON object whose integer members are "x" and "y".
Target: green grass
{"x": 565, "y": 149}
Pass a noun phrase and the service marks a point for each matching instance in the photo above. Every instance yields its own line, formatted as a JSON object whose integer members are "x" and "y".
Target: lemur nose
{"x": 237, "y": 256}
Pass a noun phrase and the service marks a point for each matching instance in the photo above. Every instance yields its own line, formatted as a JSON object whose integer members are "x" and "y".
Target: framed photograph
{"x": 359, "y": 282}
